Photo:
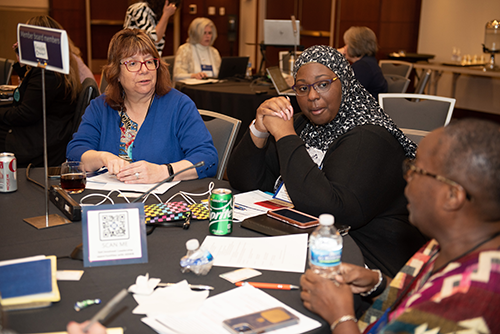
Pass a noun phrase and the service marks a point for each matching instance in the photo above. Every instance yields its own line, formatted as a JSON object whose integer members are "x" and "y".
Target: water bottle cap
{"x": 192, "y": 244}
{"x": 326, "y": 219}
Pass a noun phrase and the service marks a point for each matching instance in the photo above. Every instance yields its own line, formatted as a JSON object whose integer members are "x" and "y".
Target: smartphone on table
{"x": 261, "y": 322}
{"x": 294, "y": 217}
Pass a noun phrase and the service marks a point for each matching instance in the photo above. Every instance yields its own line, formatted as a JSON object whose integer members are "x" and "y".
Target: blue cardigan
{"x": 172, "y": 131}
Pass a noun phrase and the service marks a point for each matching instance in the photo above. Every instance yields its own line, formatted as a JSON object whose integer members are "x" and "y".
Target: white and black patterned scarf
{"x": 358, "y": 107}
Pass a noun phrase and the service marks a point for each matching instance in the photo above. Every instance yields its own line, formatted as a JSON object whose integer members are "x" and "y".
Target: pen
{"x": 269, "y": 285}
{"x": 106, "y": 309}
{"x": 192, "y": 286}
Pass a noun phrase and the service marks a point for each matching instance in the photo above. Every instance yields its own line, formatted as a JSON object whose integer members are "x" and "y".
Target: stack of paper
{"x": 28, "y": 282}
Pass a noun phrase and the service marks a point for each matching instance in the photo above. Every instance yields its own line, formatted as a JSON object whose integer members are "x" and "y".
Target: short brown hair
{"x": 361, "y": 41}
{"x": 127, "y": 43}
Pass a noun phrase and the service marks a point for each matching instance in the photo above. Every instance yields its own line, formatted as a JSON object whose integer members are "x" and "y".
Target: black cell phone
{"x": 294, "y": 217}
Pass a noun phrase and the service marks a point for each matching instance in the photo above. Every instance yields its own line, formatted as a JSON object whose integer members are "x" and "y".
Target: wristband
{"x": 170, "y": 169}
{"x": 380, "y": 279}
{"x": 257, "y": 133}
{"x": 342, "y": 319}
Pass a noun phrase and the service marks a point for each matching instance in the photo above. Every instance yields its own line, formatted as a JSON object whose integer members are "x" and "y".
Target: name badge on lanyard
{"x": 207, "y": 68}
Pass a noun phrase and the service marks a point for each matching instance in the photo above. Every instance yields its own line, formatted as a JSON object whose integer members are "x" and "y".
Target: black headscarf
{"x": 358, "y": 107}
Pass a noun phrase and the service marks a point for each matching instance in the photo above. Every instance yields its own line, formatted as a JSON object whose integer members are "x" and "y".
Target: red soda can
{"x": 8, "y": 172}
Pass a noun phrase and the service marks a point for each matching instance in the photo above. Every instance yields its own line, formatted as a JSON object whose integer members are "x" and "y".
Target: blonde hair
{"x": 361, "y": 41}
{"x": 197, "y": 29}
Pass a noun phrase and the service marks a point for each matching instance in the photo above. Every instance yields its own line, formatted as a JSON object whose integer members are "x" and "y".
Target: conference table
{"x": 238, "y": 99}
{"x": 166, "y": 245}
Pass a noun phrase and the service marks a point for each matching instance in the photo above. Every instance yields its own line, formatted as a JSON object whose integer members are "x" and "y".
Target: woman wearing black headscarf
{"x": 342, "y": 155}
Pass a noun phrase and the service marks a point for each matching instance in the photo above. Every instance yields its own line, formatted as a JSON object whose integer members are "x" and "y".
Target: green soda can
{"x": 221, "y": 212}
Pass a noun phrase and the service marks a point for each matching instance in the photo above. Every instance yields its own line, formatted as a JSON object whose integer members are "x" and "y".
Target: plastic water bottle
{"x": 249, "y": 70}
{"x": 198, "y": 260}
{"x": 325, "y": 248}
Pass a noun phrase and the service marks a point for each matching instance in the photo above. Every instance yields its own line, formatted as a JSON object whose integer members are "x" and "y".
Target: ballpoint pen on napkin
{"x": 192, "y": 286}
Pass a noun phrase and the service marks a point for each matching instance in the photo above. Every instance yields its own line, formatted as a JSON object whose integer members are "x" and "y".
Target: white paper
{"x": 69, "y": 275}
{"x": 109, "y": 182}
{"x": 245, "y": 207}
{"x": 280, "y": 253}
{"x": 176, "y": 299}
{"x": 233, "y": 303}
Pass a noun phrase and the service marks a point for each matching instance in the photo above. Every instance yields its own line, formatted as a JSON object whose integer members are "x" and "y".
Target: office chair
{"x": 396, "y": 83}
{"x": 89, "y": 91}
{"x": 224, "y": 130}
{"x": 417, "y": 114}
{"x": 5, "y": 70}
{"x": 170, "y": 60}
{"x": 103, "y": 83}
{"x": 398, "y": 67}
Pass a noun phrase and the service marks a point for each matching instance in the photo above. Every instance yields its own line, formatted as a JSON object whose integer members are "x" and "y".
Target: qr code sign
{"x": 114, "y": 225}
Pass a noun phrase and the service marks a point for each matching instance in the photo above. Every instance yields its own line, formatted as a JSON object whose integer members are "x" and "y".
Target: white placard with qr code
{"x": 115, "y": 234}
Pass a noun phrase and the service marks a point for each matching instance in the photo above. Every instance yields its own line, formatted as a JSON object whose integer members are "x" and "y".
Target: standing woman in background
{"x": 360, "y": 49}
{"x": 197, "y": 58}
{"x": 152, "y": 17}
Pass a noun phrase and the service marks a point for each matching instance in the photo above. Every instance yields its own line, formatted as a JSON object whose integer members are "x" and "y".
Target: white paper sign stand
{"x": 46, "y": 48}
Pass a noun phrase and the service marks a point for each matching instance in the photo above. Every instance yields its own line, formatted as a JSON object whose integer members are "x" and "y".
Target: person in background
{"x": 360, "y": 49}
{"x": 451, "y": 284}
{"x": 142, "y": 129}
{"x": 197, "y": 58}
{"x": 152, "y": 17}
{"x": 21, "y": 124}
{"x": 342, "y": 155}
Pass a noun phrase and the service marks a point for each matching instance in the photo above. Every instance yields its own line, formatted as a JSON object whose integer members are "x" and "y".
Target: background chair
{"x": 417, "y": 114}
{"x": 396, "y": 83}
{"x": 170, "y": 60}
{"x": 5, "y": 70}
{"x": 422, "y": 81}
{"x": 223, "y": 130}
{"x": 398, "y": 67}
{"x": 103, "y": 83}
{"x": 89, "y": 91}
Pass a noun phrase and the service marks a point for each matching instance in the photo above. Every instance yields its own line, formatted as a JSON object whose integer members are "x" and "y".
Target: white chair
{"x": 417, "y": 114}
{"x": 224, "y": 130}
{"x": 284, "y": 59}
{"x": 398, "y": 67}
{"x": 396, "y": 83}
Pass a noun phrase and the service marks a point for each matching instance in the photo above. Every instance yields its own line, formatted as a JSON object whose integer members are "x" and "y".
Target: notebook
{"x": 280, "y": 32}
{"x": 233, "y": 67}
{"x": 279, "y": 81}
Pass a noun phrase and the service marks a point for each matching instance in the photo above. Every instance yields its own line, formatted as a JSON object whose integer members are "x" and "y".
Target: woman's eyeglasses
{"x": 409, "y": 168}
{"x": 320, "y": 87}
{"x": 136, "y": 65}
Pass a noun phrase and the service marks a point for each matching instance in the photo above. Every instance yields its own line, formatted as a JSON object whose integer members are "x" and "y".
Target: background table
{"x": 236, "y": 99}
{"x": 166, "y": 245}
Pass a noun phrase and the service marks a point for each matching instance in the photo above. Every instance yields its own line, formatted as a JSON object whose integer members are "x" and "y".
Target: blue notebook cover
{"x": 27, "y": 278}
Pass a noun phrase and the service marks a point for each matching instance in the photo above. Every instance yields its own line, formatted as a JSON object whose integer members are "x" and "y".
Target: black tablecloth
{"x": 165, "y": 248}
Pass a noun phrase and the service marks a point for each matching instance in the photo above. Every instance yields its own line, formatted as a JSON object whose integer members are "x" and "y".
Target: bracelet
{"x": 170, "y": 169}
{"x": 257, "y": 133}
{"x": 342, "y": 319}
{"x": 380, "y": 279}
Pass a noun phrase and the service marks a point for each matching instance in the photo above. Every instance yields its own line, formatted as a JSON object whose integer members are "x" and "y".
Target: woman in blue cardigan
{"x": 142, "y": 130}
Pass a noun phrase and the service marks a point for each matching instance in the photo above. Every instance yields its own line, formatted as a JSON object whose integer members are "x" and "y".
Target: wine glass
{"x": 73, "y": 177}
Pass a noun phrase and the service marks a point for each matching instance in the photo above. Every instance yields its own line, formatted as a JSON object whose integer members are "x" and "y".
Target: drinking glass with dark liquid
{"x": 73, "y": 177}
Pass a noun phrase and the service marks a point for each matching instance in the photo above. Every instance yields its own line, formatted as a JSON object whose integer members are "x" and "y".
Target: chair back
{"x": 170, "y": 60}
{"x": 422, "y": 82}
{"x": 398, "y": 67}
{"x": 224, "y": 130}
{"x": 89, "y": 91}
{"x": 5, "y": 70}
{"x": 396, "y": 83}
{"x": 417, "y": 114}
{"x": 103, "y": 83}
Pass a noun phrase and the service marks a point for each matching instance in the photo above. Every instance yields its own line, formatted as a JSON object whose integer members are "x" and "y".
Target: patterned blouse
{"x": 141, "y": 16}
{"x": 463, "y": 297}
